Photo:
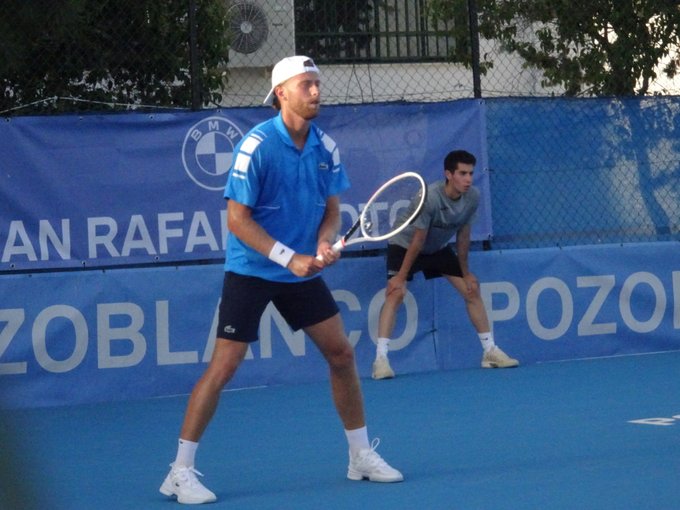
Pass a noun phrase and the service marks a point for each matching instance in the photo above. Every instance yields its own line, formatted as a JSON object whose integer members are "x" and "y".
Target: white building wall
{"x": 372, "y": 83}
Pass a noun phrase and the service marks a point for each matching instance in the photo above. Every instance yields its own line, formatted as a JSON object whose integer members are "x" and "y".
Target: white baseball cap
{"x": 288, "y": 67}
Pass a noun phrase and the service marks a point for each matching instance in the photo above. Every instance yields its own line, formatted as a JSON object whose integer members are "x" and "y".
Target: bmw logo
{"x": 208, "y": 151}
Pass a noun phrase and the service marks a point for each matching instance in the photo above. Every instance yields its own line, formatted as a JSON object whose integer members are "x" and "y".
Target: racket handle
{"x": 339, "y": 245}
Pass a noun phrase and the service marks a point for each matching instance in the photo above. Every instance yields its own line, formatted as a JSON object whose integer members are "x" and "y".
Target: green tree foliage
{"x": 102, "y": 52}
{"x": 595, "y": 47}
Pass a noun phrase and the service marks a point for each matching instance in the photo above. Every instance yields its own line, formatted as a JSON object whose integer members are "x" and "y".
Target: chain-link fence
{"x": 97, "y": 55}
{"x": 67, "y": 55}
{"x": 584, "y": 171}
{"x": 61, "y": 56}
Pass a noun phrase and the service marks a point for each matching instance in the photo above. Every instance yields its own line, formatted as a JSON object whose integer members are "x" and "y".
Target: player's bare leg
{"x": 381, "y": 366}
{"x": 182, "y": 482}
{"x": 473, "y": 303}
{"x": 493, "y": 356}
{"x": 364, "y": 462}
{"x": 205, "y": 396}
{"x": 388, "y": 314}
{"x": 329, "y": 337}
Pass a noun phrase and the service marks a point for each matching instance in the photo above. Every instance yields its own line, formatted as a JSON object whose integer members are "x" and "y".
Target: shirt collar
{"x": 312, "y": 138}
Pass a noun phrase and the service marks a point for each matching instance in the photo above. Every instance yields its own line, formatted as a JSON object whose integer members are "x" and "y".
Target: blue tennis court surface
{"x": 554, "y": 435}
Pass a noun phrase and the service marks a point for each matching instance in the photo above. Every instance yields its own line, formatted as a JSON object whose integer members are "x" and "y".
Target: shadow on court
{"x": 555, "y": 435}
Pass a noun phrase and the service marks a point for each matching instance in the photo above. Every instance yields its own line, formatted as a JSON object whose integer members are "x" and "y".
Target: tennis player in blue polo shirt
{"x": 283, "y": 211}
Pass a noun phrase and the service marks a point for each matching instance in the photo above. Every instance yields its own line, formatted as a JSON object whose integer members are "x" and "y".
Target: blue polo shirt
{"x": 286, "y": 189}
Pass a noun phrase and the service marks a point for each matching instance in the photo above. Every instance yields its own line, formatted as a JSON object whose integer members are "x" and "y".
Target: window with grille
{"x": 351, "y": 31}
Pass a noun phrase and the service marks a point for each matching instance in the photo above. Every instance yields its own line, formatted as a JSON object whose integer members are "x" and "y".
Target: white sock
{"x": 357, "y": 439}
{"x": 383, "y": 347}
{"x": 186, "y": 453}
{"x": 487, "y": 341}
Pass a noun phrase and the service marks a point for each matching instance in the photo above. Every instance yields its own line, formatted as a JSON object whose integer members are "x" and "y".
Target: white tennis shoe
{"x": 382, "y": 368}
{"x": 496, "y": 358}
{"x": 368, "y": 464}
{"x": 182, "y": 482}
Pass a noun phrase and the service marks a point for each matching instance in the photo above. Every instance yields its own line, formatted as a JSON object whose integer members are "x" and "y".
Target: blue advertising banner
{"x": 121, "y": 334}
{"x": 88, "y": 336}
{"x": 565, "y": 303}
{"x": 98, "y": 191}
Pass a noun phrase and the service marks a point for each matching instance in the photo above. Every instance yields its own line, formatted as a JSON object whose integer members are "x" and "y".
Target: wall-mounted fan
{"x": 249, "y": 26}
{"x": 261, "y": 32}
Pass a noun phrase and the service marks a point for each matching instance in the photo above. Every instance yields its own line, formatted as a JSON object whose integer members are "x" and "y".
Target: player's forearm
{"x": 412, "y": 253}
{"x": 463, "y": 249}
{"x": 464, "y": 267}
{"x": 253, "y": 235}
{"x": 330, "y": 223}
{"x": 241, "y": 224}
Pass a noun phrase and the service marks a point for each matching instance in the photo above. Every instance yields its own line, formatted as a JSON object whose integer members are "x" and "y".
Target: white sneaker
{"x": 368, "y": 464}
{"x": 496, "y": 358}
{"x": 382, "y": 368}
{"x": 182, "y": 482}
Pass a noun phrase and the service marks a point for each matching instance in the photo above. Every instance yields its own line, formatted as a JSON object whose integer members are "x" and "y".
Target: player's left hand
{"x": 304, "y": 265}
{"x": 325, "y": 251}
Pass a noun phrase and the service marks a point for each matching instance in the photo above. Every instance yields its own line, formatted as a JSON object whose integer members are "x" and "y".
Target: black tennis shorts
{"x": 433, "y": 265}
{"x": 244, "y": 299}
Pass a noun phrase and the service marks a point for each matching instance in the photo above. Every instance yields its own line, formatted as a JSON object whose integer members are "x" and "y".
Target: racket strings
{"x": 391, "y": 208}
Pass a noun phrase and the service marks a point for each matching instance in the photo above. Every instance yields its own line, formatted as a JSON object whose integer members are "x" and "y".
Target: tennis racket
{"x": 389, "y": 211}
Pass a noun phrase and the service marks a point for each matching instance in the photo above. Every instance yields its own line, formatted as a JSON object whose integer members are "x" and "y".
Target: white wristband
{"x": 281, "y": 254}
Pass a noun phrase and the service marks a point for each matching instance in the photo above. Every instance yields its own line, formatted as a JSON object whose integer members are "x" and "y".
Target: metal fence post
{"x": 193, "y": 57}
{"x": 474, "y": 48}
